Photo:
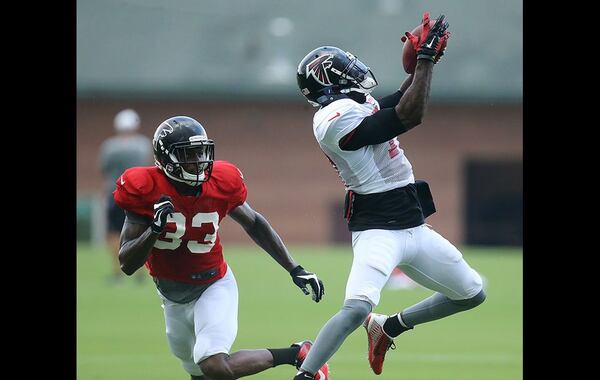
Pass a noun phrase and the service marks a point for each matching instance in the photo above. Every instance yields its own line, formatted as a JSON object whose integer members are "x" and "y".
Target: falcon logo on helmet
{"x": 318, "y": 69}
{"x": 166, "y": 130}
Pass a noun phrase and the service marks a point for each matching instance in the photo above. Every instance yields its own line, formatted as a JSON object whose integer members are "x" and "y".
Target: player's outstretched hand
{"x": 303, "y": 278}
{"x": 162, "y": 209}
{"x": 431, "y": 42}
{"x": 434, "y": 39}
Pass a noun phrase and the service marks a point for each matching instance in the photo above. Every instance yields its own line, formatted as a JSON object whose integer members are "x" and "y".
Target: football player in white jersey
{"x": 385, "y": 207}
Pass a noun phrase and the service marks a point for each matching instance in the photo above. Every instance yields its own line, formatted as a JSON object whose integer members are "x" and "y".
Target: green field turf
{"x": 120, "y": 328}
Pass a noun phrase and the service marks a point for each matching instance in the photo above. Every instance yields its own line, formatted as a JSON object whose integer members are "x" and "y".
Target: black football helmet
{"x": 328, "y": 71}
{"x": 183, "y": 150}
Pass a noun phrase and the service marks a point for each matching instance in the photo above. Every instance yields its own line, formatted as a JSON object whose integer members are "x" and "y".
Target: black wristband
{"x": 425, "y": 56}
{"x": 296, "y": 271}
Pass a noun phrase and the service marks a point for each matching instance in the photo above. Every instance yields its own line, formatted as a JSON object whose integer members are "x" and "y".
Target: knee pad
{"x": 473, "y": 301}
{"x": 356, "y": 311}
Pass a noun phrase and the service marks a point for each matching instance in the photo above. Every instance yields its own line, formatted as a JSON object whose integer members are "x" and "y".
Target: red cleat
{"x": 323, "y": 373}
{"x": 379, "y": 342}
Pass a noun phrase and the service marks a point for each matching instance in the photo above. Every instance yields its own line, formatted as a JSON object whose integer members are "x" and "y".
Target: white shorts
{"x": 423, "y": 254}
{"x": 205, "y": 327}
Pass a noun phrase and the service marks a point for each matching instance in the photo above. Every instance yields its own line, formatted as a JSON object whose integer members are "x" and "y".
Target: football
{"x": 409, "y": 53}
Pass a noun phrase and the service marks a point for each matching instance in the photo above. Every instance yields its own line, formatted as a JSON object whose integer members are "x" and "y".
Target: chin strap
{"x": 325, "y": 100}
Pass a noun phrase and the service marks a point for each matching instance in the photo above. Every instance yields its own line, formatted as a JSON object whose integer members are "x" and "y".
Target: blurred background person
{"x": 126, "y": 149}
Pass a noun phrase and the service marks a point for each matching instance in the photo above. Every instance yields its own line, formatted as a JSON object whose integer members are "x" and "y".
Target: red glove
{"x": 431, "y": 42}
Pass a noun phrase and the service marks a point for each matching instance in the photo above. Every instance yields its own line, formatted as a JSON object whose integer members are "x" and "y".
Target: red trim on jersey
{"x": 346, "y": 139}
{"x": 336, "y": 115}
{"x": 350, "y": 199}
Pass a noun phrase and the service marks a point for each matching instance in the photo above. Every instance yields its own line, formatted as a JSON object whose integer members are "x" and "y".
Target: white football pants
{"x": 423, "y": 254}
{"x": 205, "y": 327}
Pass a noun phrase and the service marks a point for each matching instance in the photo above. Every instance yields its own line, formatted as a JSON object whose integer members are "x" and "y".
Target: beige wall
{"x": 289, "y": 179}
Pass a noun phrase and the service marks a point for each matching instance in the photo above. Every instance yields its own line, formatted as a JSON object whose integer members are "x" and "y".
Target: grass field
{"x": 120, "y": 328}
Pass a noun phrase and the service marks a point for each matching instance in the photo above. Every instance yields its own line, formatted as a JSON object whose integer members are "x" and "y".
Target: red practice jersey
{"x": 190, "y": 242}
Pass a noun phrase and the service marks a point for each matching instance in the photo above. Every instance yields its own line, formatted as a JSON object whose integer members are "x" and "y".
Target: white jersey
{"x": 370, "y": 169}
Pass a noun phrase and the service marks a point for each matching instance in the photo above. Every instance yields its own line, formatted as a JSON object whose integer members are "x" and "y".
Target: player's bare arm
{"x": 265, "y": 236}
{"x": 137, "y": 241}
{"x": 411, "y": 107}
{"x": 139, "y": 235}
{"x": 407, "y": 82}
{"x": 259, "y": 229}
{"x": 391, "y": 100}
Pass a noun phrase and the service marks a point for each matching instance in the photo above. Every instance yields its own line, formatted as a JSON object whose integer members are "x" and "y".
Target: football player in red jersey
{"x": 173, "y": 211}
